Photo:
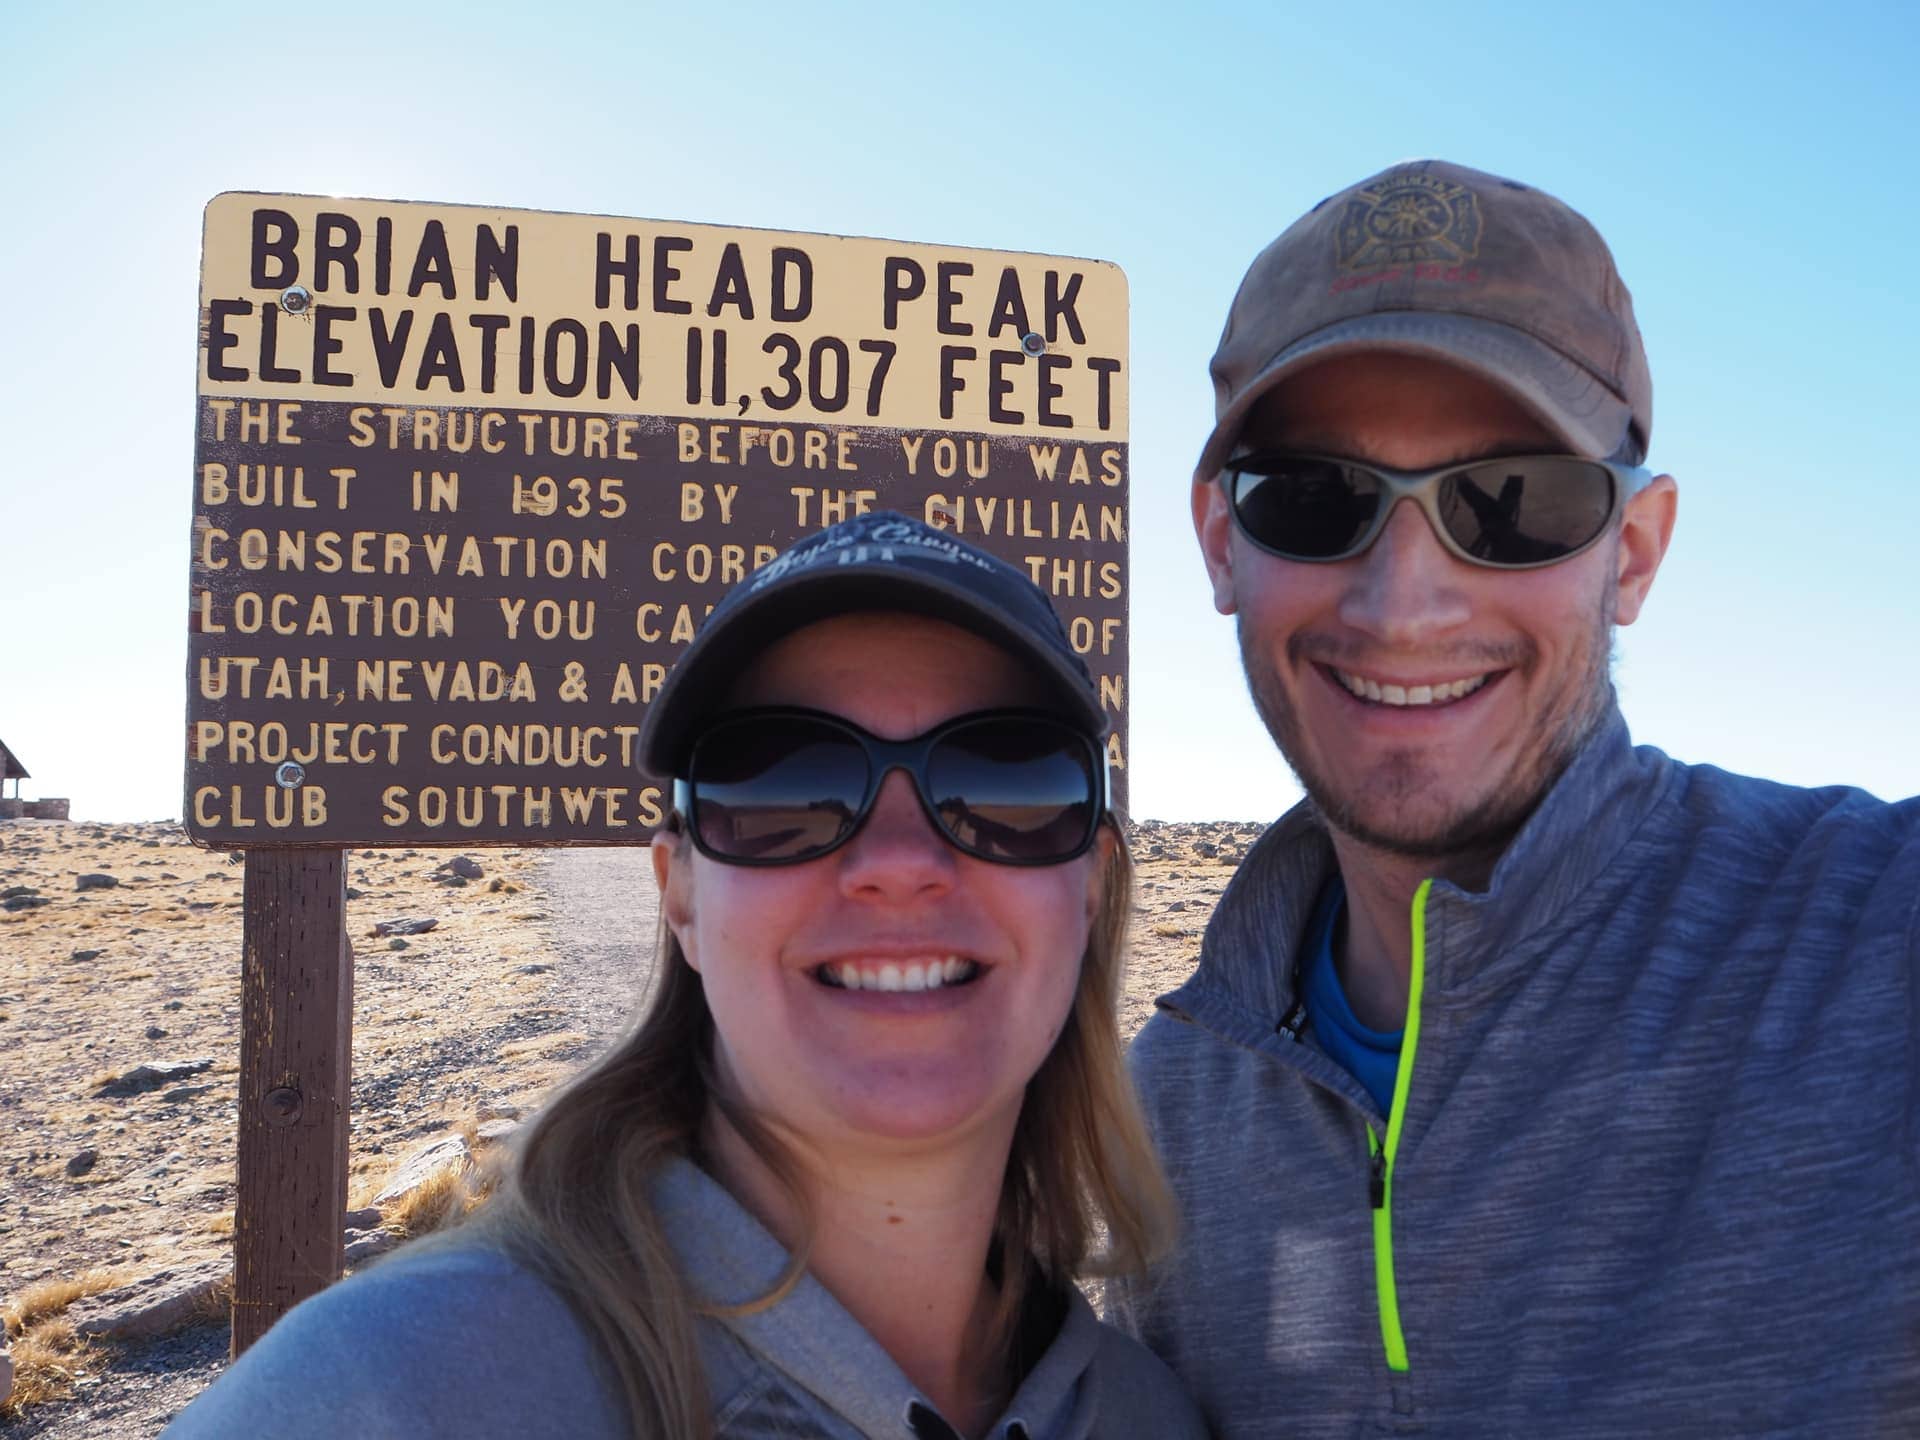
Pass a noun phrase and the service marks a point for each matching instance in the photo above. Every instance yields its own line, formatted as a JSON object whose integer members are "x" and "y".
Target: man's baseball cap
{"x": 1429, "y": 258}
{"x": 879, "y": 561}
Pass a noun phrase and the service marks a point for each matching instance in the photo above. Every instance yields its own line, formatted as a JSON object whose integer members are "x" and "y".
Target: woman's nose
{"x": 897, "y": 854}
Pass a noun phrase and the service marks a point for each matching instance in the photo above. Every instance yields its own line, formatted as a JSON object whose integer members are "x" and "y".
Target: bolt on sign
{"x": 467, "y": 480}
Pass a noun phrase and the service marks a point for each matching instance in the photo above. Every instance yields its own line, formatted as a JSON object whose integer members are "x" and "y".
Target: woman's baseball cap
{"x": 878, "y": 561}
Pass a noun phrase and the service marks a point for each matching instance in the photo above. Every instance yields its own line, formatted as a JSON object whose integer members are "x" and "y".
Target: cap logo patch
{"x": 1408, "y": 217}
{"x": 881, "y": 539}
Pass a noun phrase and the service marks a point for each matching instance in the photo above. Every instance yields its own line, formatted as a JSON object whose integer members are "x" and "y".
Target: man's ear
{"x": 672, "y": 855}
{"x": 1646, "y": 527}
{"x": 1213, "y": 525}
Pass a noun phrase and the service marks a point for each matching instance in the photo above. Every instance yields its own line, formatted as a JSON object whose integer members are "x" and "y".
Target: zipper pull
{"x": 1377, "y": 1179}
{"x": 1294, "y": 1022}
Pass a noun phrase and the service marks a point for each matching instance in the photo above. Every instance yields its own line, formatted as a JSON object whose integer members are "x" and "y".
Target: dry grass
{"x": 449, "y": 1194}
{"x": 52, "y": 1297}
{"x": 563, "y": 1042}
{"x": 49, "y": 1358}
{"x": 215, "y": 1305}
{"x": 427, "y": 1206}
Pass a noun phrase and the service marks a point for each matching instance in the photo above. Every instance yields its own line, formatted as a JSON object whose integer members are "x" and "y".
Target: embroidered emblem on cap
{"x": 1407, "y": 217}
{"x": 882, "y": 538}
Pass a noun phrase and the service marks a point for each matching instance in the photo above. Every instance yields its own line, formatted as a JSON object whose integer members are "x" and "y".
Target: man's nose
{"x": 897, "y": 855}
{"x": 1407, "y": 587}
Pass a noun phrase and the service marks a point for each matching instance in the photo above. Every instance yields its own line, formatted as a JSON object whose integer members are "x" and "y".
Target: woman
{"x": 839, "y": 1178}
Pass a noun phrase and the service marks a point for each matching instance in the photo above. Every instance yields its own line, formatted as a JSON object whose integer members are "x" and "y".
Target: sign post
{"x": 466, "y": 482}
{"x": 296, "y": 1042}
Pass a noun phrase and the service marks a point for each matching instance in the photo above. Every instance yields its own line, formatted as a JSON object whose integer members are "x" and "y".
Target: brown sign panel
{"x": 467, "y": 481}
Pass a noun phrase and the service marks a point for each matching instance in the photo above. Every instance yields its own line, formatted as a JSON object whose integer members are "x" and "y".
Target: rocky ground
{"x": 528, "y": 967}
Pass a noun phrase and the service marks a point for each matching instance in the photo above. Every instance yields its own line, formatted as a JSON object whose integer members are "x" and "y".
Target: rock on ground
{"x": 151, "y": 1076}
{"x": 162, "y": 1301}
{"x": 406, "y": 925}
{"x": 419, "y": 1164}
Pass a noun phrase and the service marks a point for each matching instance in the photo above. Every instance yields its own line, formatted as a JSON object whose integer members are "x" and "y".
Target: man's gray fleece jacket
{"x": 1652, "y": 1166}
{"x": 460, "y": 1341}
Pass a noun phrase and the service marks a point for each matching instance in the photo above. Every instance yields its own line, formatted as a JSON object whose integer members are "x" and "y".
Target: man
{"x": 1529, "y": 1083}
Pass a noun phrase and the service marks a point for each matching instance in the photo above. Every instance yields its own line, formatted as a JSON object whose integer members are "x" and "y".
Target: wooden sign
{"x": 468, "y": 480}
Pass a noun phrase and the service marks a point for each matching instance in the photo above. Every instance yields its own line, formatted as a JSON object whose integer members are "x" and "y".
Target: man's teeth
{"x": 902, "y": 975}
{"x": 1366, "y": 689}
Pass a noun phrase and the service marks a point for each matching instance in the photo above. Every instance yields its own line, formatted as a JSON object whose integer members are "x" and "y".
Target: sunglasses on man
{"x": 1511, "y": 513}
{"x": 784, "y": 786}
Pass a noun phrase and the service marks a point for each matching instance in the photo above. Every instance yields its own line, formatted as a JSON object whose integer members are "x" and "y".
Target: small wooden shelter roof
{"x": 11, "y": 768}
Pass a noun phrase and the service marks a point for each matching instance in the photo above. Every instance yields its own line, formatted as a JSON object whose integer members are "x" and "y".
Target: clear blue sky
{"x": 1750, "y": 165}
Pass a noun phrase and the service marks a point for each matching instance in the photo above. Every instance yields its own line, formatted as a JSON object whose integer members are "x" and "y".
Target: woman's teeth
{"x": 1365, "y": 689}
{"x": 899, "y": 975}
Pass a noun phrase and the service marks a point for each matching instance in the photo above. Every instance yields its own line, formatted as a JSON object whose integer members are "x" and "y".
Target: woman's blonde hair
{"x": 575, "y": 1201}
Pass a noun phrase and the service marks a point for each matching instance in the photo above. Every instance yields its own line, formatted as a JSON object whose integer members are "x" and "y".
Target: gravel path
{"x": 603, "y": 910}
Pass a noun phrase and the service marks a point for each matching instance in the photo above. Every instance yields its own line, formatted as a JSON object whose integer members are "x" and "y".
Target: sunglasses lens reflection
{"x": 1016, "y": 791}
{"x": 1542, "y": 509}
{"x": 782, "y": 788}
{"x": 770, "y": 792}
{"x": 1309, "y": 508}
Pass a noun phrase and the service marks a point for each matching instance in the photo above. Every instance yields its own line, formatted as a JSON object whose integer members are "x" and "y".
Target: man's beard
{"x": 1482, "y": 827}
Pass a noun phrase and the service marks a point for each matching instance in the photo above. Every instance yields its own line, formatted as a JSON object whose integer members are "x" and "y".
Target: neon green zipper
{"x": 1382, "y": 1155}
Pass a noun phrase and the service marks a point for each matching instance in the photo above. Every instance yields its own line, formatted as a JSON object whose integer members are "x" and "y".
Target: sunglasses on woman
{"x": 783, "y": 786}
{"x": 1513, "y": 513}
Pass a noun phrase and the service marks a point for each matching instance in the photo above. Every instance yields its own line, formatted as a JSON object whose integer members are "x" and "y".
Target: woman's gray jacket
{"x": 460, "y": 1340}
